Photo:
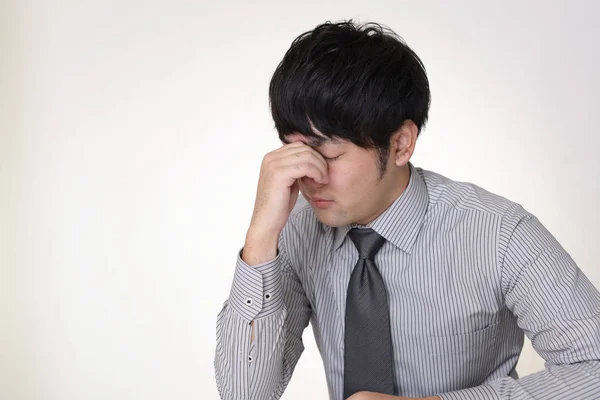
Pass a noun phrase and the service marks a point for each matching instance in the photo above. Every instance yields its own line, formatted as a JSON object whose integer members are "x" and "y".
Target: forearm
{"x": 232, "y": 350}
{"x": 259, "y": 247}
{"x": 239, "y": 363}
{"x": 259, "y": 330}
{"x": 381, "y": 396}
{"x": 565, "y": 382}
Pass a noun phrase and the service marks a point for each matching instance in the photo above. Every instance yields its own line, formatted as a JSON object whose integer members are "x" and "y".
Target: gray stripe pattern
{"x": 468, "y": 273}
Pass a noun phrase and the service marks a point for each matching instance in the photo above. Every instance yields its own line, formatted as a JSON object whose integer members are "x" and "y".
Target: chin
{"x": 329, "y": 221}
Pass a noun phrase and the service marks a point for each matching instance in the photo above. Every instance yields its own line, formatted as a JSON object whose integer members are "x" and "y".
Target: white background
{"x": 131, "y": 134}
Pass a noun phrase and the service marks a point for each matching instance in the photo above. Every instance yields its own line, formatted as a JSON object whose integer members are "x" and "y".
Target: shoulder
{"x": 446, "y": 194}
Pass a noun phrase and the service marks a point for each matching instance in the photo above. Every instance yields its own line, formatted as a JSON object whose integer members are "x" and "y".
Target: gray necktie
{"x": 368, "y": 354}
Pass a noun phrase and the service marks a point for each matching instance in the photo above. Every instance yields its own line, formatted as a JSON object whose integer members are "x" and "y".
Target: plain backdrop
{"x": 131, "y": 136}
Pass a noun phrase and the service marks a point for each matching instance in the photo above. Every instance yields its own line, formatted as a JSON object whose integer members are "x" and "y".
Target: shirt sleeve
{"x": 556, "y": 306}
{"x": 271, "y": 295}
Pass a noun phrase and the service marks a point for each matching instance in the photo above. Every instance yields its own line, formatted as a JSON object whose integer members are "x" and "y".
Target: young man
{"x": 415, "y": 285}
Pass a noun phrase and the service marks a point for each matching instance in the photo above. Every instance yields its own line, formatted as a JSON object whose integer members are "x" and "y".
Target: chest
{"x": 444, "y": 286}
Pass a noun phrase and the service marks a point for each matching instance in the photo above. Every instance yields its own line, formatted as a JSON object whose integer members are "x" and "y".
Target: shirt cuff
{"x": 483, "y": 392}
{"x": 256, "y": 290}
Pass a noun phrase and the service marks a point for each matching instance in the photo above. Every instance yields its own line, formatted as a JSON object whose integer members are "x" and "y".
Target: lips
{"x": 319, "y": 202}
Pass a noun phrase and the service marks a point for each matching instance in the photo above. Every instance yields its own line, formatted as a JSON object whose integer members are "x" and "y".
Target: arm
{"x": 558, "y": 309}
{"x": 257, "y": 361}
{"x": 380, "y": 396}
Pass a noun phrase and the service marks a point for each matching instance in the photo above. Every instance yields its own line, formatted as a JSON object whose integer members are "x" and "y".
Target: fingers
{"x": 299, "y": 160}
{"x": 296, "y": 148}
{"x": 299, "y": 170}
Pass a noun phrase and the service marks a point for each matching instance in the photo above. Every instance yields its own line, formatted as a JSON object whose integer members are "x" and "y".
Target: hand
{"x": 278, "y": 188}
{"x": 276, "y": 196}
{"x": 380, "y": 396}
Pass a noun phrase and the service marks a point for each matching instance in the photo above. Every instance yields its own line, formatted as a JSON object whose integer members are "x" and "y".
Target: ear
{"x": 402, "y": 142}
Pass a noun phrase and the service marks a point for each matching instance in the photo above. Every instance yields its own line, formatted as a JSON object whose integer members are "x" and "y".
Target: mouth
{"x": 320, "y": 202}
{"x": 317, "y": 198}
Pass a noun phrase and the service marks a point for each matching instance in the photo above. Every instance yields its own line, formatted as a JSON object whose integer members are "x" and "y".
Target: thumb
{"x": 294, "y": 190}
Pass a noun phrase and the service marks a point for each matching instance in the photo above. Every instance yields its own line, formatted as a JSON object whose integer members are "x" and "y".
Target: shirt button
{"x": 249, "y": 301}
{"x": 267, "y": 296}
{"x": 250, "y": 358}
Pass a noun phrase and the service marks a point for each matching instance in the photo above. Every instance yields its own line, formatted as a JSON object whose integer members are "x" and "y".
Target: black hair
{"x": 354, "y": 82}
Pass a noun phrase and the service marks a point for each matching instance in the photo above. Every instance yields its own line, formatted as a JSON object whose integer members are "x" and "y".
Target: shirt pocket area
{"x": 440, "y": 364}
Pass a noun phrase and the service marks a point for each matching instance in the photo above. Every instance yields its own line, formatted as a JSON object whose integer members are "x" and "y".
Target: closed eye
{"x": 331, "y": 159}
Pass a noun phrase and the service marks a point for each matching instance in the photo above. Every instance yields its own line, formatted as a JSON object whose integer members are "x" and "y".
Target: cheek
{"x": 349, "y": 180}
{"x": 339, "y": 178}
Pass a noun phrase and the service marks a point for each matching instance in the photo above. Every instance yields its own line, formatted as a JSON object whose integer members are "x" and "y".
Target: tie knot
{"x": 367, "y": 241}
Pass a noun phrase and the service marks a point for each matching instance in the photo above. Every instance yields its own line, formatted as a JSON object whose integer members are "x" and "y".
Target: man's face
{"x": 355, "y": 190}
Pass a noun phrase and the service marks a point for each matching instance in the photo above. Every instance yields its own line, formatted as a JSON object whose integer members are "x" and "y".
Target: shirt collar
{"x": 400, "y": 222}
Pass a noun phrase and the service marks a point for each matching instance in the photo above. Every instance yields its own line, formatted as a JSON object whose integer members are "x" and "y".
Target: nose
{"x": 310, "y": 182}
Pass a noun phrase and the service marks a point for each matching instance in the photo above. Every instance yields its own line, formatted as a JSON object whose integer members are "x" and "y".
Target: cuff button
{"x": 267, "y": 296}
{"x": 249, "y": 301}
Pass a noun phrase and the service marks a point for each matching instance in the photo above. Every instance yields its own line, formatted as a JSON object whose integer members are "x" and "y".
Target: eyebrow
{"x": 317, "y": 141}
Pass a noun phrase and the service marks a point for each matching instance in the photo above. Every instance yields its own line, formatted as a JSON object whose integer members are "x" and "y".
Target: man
{"x": 416, "y": 286}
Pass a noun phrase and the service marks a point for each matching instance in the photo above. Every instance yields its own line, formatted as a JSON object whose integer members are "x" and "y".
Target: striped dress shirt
{"x": 467, "y": 272}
